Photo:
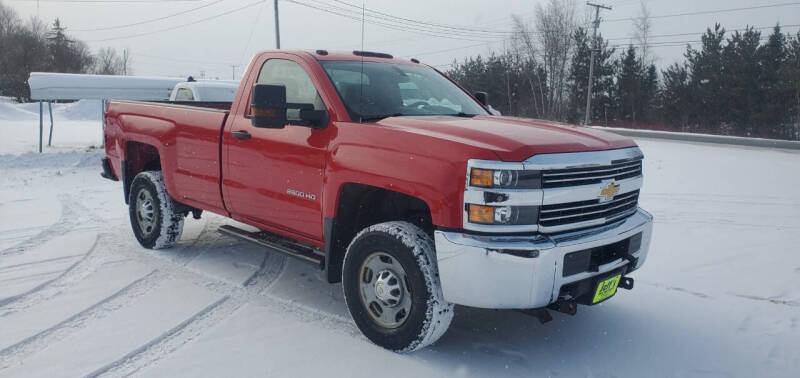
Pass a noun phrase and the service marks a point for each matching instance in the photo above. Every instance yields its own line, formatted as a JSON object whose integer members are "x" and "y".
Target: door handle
{"x": 242, "y": 135}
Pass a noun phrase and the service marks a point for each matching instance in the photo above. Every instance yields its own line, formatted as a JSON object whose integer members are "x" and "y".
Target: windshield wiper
{"x": 462, "y": 114}
{"x": 375, "y": 118}
{"x": 378, "y": 117}
{"x": 459, "y": 114}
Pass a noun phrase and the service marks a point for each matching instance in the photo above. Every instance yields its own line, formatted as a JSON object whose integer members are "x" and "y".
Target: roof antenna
{"x": 361, "y": 97}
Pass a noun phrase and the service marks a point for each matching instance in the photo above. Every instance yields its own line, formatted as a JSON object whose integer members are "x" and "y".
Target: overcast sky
{"x": 212, "y": 46}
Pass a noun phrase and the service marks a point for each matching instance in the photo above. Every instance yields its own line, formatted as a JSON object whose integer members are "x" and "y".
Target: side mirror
{"x": 482, "y": 97}
{"x": 268, "y": 106}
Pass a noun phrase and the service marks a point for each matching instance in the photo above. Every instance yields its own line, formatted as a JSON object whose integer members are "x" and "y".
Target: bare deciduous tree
{"x": 107, "y": 62}
{"x": 549, "y": 42}
{"x": 641, "y": 35}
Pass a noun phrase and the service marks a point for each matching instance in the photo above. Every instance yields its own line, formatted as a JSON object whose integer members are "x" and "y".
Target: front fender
{"x": 430, "y": 169}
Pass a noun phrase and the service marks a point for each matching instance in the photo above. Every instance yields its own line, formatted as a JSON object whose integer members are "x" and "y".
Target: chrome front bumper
{"x": 475, "y": 273}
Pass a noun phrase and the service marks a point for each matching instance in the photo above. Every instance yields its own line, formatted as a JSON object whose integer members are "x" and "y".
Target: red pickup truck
{"x": 395, "y": 181}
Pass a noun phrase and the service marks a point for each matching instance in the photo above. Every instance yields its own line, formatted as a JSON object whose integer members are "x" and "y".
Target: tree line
{"x": 33, "y": 46}
{"x": 741, "y": 83}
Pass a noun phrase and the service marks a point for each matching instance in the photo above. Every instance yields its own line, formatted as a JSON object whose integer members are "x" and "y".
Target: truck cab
{"x": 395, "y": 181}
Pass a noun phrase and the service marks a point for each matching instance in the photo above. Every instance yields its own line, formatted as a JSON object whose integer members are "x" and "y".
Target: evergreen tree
{"x": 741, "y": 95}
{"x": 629, "y": 86}
{"x": 705, "y": 65}
{"x": 676, "y": 96}
{"x": 776, "y": 91}
{"x": 649, "y": 101}
{"x": 602, "y": 79}
{"x": 67, "y": 55}
{"x": 791, "y": 74}
{"x": 739, "y": 84}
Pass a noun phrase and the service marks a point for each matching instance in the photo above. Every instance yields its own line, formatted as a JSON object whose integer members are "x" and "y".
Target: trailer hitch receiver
{"x": 566, "y": 306}
{"x": 626, "y": 283}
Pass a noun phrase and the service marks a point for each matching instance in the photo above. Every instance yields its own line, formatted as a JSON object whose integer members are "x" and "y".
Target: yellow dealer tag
{"x": 606, "y": 288}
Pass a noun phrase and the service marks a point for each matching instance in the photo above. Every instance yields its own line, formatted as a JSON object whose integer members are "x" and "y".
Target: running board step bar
{"x": 283, "y": 245}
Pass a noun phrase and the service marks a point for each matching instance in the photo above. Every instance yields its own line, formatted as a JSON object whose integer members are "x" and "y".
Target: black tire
{"x": 154, "y": 221}
{"x": 429, "y": 315}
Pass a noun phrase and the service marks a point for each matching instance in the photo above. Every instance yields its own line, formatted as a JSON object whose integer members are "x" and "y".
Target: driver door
{"x": 273, "y": 177}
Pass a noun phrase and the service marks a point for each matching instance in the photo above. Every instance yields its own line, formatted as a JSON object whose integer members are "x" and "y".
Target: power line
{"x": 180, "y": 26}
{"x": 696, "y": 33}
{"x": 150, "y": 20}
{"x": 709, "y": 12}
{"x": 107, "y": 1}
{"x": 444, "y": 26}
{"x": 451, "y": 49}
{"x": 384, "y": 19}
{"x": 179, "y": 60}
{"x": 674, "y": 43}
{"x": 386, "y": 25}
{"x": 653, "y": 44}
{"x": 422, "y": 25}
{"x": 252, "y": 29}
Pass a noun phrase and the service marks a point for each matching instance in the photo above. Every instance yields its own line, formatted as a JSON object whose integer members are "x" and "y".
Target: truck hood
{"x": 510, "y": 138}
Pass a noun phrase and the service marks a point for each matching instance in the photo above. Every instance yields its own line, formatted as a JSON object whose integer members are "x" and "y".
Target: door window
{"x": 299, "y": 87}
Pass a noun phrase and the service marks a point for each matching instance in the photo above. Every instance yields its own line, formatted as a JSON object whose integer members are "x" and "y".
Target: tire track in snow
{"x": 169, "y": 341}
{"x": 195, "y": 326}
{"x": 69, "y": 221}
{"x": 18, "y": 352}
{"x": 43, "y": 261}
{"x": 48, "y": 289}
{"x": 201, "y": 244}
{"x": 770, "y": 300}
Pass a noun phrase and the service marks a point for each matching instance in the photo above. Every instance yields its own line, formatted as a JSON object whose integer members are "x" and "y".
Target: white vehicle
{"x": 205, "y": 91}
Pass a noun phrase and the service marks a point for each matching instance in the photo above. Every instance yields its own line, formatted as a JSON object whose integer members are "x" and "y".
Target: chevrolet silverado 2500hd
{"x": 395, "y": 181}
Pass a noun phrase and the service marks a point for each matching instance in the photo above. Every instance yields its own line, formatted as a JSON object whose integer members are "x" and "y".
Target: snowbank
{"x": 15, "y": 112}
{"x": 69, "y": 159}
{"x": 83, "y": 110}
{"x": 77, "y": 125}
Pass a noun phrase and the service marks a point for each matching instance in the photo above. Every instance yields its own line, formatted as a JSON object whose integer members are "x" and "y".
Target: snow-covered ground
{"x": 719, "y": 295}
{"x": 19, "y": 126}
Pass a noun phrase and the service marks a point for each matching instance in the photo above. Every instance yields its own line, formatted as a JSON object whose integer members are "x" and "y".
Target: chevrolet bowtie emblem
{"x": 609, "y": 191}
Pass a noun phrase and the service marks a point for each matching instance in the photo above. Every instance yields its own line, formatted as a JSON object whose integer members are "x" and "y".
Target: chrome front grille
{"x": 559, "y": 178}
{"x": 578, "y": 190}
{"x": 576, "y": 213}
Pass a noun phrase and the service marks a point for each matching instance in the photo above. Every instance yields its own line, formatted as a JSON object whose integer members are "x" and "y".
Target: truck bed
{"x": 187, "y": 138}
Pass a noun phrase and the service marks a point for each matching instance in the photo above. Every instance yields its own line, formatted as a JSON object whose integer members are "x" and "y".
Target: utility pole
{"x": 233, "y": 71}
{"x": 277, "y": 28}
{"x": 597, "y": 7}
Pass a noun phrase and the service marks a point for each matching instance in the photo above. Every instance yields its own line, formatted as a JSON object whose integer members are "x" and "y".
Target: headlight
{"x": 504, "y": 178}
{"x": 503, "y": 215}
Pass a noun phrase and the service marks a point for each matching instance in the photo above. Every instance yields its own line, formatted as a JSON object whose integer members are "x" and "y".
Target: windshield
{"x": 397, "y": 90}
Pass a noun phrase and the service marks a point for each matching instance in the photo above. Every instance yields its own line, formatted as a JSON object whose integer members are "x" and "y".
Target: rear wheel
{"x": 154, "y": 221}
{"x": 391, "y": 286}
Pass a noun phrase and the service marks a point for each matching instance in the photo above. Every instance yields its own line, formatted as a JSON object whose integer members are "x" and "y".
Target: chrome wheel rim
{"x": 145, "y": 212}
{"x": 384, "y": 290}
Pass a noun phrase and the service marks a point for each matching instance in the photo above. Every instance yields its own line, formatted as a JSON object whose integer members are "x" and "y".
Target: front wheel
{"x": 154, "y": 221}
{"x": 391, "y": 287}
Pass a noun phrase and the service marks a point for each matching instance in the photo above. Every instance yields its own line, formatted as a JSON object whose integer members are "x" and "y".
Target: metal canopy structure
{"x": 50, "y": 86}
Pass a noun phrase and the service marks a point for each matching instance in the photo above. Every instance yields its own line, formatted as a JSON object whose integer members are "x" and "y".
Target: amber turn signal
{"x": 481, "y": 177}
{"x": 263, "y": 112}
{"x": 481, "y": 214}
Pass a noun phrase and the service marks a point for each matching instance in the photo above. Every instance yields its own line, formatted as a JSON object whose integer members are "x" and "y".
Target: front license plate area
{"x": 606, "y": 289}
